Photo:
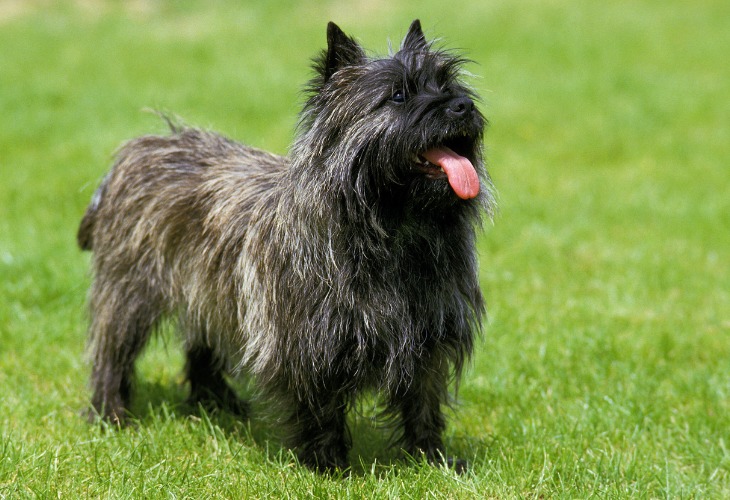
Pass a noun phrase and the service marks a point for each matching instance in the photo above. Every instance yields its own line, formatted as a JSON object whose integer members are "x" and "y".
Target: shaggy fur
{"x": 348, "y": 266}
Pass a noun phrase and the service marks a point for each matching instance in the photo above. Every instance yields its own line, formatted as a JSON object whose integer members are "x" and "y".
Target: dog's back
{"x": 159, "y": 178}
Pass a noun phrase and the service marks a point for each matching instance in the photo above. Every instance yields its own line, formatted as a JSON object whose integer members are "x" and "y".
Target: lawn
{"x": 604, "y": 367}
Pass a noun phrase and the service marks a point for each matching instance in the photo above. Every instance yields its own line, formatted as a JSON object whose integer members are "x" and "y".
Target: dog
{"x": 347, "y": 266}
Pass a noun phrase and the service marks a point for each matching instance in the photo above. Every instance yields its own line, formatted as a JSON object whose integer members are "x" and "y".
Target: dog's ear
{"x": 415, "y": 40}
{"x": 342, "y": 51}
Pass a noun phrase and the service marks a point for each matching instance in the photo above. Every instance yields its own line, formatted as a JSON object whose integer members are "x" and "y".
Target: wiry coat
{"x": 338, "y": 269}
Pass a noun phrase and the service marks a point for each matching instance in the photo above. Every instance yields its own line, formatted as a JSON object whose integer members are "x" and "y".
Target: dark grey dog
{"x": 348, "y": 266}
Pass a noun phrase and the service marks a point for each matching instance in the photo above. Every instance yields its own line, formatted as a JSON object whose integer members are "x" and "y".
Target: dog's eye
{"x": 399, "y": 96}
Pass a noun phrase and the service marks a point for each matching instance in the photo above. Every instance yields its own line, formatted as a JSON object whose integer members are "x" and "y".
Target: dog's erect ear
{"x": 415, "y": 40}
{"x": 341, "y": 51}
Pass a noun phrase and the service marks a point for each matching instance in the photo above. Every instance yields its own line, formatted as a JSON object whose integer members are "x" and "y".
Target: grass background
{"x": 605, "y": 365}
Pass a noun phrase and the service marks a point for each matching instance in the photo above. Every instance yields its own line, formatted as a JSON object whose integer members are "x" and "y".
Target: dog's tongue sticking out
{"x": 462, "y": 176}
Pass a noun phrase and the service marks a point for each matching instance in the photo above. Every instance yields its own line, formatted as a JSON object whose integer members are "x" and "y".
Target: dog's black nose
{"x": 460, "y": 106}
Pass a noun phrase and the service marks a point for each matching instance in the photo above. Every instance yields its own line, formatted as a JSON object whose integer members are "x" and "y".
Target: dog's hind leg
{"x": 122, "y": 318}
{"x": 208, "y": 387}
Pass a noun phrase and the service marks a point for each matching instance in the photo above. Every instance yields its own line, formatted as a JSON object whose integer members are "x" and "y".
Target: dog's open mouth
{"x": 444, "y": 161}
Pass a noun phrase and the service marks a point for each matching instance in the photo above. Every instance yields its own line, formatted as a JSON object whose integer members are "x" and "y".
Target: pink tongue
{"x": 462, "y": 176}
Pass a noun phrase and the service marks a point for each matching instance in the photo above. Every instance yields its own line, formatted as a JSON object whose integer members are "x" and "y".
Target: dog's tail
{"x": 85, "y": 234}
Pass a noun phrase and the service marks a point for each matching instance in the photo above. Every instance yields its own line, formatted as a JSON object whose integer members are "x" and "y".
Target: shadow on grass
{"x": 373, "y": 451}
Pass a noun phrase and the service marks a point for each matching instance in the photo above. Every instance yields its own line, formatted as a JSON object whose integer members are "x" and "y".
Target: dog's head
{"x": 400, "y": 129}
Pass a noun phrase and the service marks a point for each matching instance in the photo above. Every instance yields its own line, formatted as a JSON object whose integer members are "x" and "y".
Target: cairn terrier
{"x": 347, "y": 266}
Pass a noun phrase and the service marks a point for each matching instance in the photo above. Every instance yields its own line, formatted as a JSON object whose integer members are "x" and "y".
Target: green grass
{"x": 605, "y": 365}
